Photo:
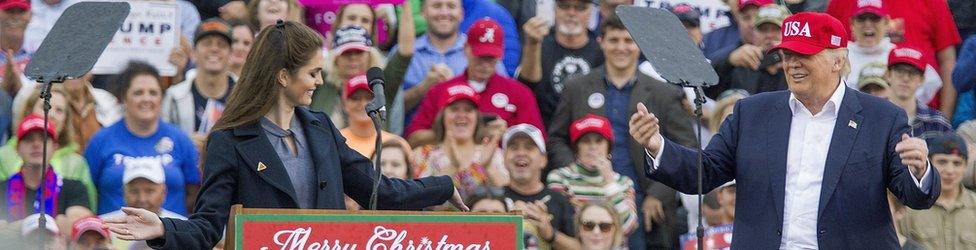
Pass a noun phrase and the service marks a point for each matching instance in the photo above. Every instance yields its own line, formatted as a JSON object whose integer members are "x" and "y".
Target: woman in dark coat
{"x": 251, "y": 160}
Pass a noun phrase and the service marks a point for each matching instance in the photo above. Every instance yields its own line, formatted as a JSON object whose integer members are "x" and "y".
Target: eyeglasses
{"x": 577, "y": 7}
{"x": 604, "y": 226}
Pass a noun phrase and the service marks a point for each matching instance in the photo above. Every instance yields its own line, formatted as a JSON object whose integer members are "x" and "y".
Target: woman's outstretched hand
{"x": 458, "y": 202}
{"x": 136, "y": 224}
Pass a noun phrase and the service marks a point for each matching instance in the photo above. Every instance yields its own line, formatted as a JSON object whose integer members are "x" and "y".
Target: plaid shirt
{"x": 929, "y": 122}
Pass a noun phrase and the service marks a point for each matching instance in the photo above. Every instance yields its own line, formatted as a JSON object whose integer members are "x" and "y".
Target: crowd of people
{"x": 524, "y": 104}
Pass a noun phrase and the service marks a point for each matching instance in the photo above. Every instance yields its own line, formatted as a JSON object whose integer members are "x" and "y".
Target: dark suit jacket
{"x": 661, "y": 98}
{"x": 861, "y": 165}
{"x": 232, "y": 177}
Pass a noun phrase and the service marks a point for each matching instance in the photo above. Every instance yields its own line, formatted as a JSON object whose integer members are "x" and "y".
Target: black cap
{"x": 213, "y": 26}
{"x": 687, "y": 14}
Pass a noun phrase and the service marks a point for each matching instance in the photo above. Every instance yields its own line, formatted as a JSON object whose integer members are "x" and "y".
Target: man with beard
{"x": 571, "y": 51}
{"x": 439, "y": 53}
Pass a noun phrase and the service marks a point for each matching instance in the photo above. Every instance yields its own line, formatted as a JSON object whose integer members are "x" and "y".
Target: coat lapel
{"x": 257, "y": 151}
{"x": 777, "y": 145}
{"x": 316, "y": 135}
{"x": 841, "y": 144}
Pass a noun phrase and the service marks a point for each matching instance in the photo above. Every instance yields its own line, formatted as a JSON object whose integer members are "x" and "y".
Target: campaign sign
{"x": 716, "y": 238}
{"x": 378, "y": 230}
{"x": 713, "y": 12}
{"x": 148, "y": 34}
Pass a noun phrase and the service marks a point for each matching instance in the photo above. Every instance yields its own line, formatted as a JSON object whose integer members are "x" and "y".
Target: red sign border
{"x": 417, "y": 218}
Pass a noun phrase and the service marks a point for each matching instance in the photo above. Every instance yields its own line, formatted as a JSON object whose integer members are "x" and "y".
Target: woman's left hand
{"x": 136, "y": 224}
{"x": 458, "y": 202}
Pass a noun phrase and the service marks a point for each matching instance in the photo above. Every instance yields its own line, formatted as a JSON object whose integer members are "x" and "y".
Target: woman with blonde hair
{"x": 353, "y": 51}
{"x": 598, "y": 227}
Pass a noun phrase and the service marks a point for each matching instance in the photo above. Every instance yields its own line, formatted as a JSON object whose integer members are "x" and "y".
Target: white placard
{"x": 712, "y": 11}
{"x": 148, "y": 34}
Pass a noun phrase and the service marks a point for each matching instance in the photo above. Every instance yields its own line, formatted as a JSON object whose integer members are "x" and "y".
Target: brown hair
{"x": 66, "y": 135}
{"x": 235, "y": 22}
{"x": 288, "y": 45}
{"x": 407, "y": 153}
{"x": 440, "y": 132}
{"x": 135, "y": 68}
{"x": 612, "y": 22}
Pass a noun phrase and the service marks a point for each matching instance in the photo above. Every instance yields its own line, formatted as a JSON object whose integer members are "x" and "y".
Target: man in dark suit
{"x": 613, "y": 91}
{"x": 811, "y": 164}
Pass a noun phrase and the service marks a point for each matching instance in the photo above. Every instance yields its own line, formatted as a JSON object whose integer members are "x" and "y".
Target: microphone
{"x": 376, "y": 82}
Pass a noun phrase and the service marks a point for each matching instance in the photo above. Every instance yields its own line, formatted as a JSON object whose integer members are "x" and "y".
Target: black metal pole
{"x": 46, "y": 96}
{"x": 377, "y": 116}
{"x": 699, "y": 100}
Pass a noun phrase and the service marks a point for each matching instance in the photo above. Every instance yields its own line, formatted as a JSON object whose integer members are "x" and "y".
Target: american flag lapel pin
{"x": 261, "y": 166}
{"x": 852, "y": 124}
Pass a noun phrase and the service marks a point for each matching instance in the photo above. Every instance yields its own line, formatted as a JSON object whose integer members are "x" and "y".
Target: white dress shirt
{"x": 810, "y": 136}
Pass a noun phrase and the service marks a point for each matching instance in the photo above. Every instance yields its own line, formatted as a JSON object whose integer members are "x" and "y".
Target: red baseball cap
{"x": 34, "y": 122}
{"x": 758, "y": 3}
{"x": 486, "y": 39}
{"x": 870, "y": 6}
{"x": 809, "y": 33}
{"x": 907, "y": 54}
{"x": 461, "y": 93}
{"x": 590, "y": 124}
{"x": 15, "y": 4}
{"x": 88, "y": 224}
{"x": 356, "y": 83}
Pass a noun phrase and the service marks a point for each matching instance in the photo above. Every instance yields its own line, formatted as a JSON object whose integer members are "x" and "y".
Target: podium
{"x": 258, "y": 228}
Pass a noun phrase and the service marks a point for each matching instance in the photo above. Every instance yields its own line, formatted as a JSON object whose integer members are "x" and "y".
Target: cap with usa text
{"x": 808, "y": 33}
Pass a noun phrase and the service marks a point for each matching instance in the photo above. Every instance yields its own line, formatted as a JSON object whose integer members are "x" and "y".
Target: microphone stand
{"x": 378, "y": 115}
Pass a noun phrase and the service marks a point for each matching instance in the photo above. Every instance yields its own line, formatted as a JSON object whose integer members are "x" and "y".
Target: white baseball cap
{"x": 526, "y": 129}
{"x": 144, "y": 167}
{"x": 30, "y": 224}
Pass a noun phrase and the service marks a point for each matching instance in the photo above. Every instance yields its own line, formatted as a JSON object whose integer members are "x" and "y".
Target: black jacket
{"x": 232, "y": 177}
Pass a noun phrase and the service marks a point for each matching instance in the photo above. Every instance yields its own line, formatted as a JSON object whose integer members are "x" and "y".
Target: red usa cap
{"x": 356, "y": 83}
{"x": 809, "y": 33}
{"x": 460, "y": 92}
{"x": 757, "y": 3}
{"x": 870, "y": 6}
{"x": 35, "y": 122}
{"x": 590, "y": 124}
{"x": 486, "y": 39}
{"x": 907, "y": 54}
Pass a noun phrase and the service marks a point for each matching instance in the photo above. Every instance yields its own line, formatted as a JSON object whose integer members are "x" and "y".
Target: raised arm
{"x": 675, "y": 165}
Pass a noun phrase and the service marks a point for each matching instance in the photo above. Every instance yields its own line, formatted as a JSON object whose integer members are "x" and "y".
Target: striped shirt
{"x": 584, "y": 186}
